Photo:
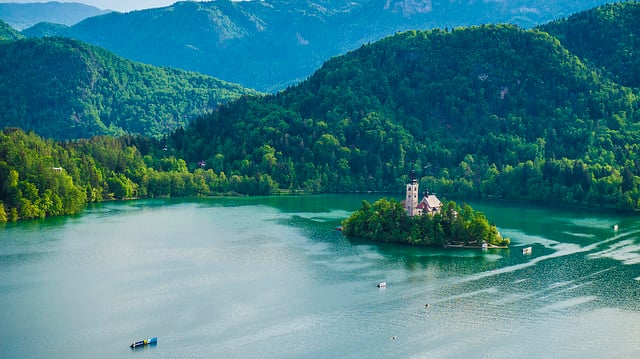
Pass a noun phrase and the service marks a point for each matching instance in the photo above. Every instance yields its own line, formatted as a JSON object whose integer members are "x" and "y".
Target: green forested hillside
{"x": 487, "y": 111}
{"x": 484, "y": 111}
{"x": 48, "y": 29}
{"x": 7, "y": 33}
{"x": 65, "y": 89}
{"x": 607, "y": 36}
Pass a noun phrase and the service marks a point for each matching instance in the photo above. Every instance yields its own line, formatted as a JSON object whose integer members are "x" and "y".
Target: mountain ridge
{"x": 24, "y": 15}
{"x": 269, "y": 45}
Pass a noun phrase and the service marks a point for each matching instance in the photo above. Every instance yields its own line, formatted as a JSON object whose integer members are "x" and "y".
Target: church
{"x": 429, "y": 203}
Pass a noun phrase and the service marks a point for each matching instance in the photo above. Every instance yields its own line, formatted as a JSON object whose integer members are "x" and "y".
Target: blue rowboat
{"x": 144, "y": 342}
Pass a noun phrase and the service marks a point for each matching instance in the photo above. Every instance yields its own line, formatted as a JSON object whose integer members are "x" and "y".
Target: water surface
{"x": 269, "y": 277}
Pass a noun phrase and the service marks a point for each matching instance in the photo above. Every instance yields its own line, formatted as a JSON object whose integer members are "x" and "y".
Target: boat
{"x": 485, "y": 245}
{"x": 615, "y": 227}
{"x": 141, "y": 343}
{"x": 526, "y": 250}
{"x": 382, "y": 284}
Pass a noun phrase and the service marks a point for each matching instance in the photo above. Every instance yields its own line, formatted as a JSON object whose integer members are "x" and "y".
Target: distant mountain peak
{"x": 24, "y": 15}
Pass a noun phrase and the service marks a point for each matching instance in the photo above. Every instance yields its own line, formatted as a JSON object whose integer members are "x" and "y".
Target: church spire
{"x": 412, "y": 176}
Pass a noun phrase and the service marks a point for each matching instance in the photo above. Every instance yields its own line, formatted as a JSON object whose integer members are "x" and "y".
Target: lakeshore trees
{"x": 42, "y": 178}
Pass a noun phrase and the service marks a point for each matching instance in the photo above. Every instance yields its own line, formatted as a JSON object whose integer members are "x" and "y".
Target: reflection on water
{"x": 271, "y": 278}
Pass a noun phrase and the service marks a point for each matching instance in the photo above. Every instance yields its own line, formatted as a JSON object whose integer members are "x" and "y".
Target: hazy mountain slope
{"x": 607, "y": 36}
{"x": 380, "y": 18}
{"x": 65, "y": 89}
{"x": 48, "y": 29}
{"x": 21, "y": 16}
{"x": 271, "y": 44}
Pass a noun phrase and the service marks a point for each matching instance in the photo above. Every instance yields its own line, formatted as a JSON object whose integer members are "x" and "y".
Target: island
{"x": 427, "y": 222}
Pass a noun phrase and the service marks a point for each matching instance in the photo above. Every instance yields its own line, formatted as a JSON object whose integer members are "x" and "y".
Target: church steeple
{"x": 411, "y": 200}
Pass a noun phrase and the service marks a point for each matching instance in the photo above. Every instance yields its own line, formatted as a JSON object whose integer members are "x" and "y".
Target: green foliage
{"x": 607, "y": 36}
{"x": 65, "y": 89}
{"x": 7, "y": 33}
{"x": 387, "y": 221}
{"x": 487, "y": 111}
{"x": 41, "y": 178}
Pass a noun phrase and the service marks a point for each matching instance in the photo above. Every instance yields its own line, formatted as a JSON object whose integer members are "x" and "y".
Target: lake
{"x": 270, "y": 277}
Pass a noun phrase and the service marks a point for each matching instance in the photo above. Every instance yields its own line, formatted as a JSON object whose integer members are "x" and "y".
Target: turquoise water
{"x": 271, "y": 278}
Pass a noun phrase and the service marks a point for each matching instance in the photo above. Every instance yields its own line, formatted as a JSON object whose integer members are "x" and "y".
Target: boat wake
{"x": 624, "y": 252}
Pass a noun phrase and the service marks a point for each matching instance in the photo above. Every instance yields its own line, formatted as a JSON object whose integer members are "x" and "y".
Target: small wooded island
{"x": 428, "y": 222}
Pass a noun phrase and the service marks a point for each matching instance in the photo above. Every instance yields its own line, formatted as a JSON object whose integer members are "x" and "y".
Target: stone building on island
{"x": 429, "y": 204}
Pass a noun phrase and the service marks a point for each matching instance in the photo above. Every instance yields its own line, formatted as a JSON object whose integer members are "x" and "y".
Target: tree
{"x": 3, "y": 214}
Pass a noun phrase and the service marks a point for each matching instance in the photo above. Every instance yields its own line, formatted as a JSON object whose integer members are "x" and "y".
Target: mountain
{"x": 492, "y": 111}
{"x": 21, "y": 16}
{"x": 48, "y": 29}
{"x": 7, "y": 33}
{"x": 481, "y": 111}
{"x": 272, "y": 44}
{"x": 65, "y": 89}
{"x": 607, "y": 36}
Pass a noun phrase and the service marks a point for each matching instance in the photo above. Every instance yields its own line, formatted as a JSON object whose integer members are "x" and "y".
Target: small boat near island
{"x": 141, "y": 343}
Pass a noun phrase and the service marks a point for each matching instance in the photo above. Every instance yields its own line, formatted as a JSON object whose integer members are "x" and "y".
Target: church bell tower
{"x": 411, "y": 200}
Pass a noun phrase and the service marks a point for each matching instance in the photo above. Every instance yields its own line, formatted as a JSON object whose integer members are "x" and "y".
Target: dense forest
{"x": 41, "y": 178}
{"x": 65, "y": 89}
{"x": 607, "y": 36}
{"x": 490, "y": 111}
{"x": 387, "y": 221}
